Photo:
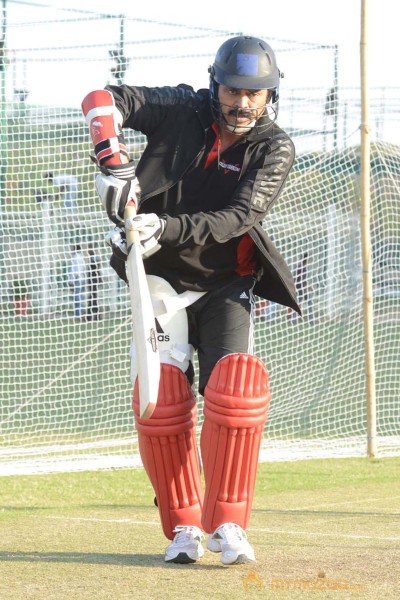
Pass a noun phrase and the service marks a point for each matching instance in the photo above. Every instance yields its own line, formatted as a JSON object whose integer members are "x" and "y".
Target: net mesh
{"x": 64, "y": 315}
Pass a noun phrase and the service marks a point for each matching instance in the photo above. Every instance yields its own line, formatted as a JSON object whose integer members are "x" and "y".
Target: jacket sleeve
{"x": 144, "y": 108}
{"x": 255, "y": 194}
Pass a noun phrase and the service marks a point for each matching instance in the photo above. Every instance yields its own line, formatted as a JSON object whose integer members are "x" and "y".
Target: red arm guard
{"x": 105, "y": 121}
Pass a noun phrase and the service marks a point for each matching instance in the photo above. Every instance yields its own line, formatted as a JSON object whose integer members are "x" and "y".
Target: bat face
{"x": 143, "y": 322}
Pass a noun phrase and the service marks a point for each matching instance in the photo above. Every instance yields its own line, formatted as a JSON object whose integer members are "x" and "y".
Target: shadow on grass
{"x": 94, "y": 558}
{"x": 79, "y": 506}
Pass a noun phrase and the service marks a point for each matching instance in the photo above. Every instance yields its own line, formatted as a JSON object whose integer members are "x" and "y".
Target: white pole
{"x": 332, "y": 262}
{"x": 45, "y": 257}
{"x": 366, "y": 237}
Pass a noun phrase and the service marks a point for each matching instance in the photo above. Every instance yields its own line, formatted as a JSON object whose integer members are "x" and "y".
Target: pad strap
{"x": 171, "y": 304}
{"x": 172, "y": 324}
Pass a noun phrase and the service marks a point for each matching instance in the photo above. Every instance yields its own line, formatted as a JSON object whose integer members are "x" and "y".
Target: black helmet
{"x": 247, "y": 63}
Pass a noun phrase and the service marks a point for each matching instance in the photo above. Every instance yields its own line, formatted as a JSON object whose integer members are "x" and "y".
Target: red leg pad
{"x": 236, "y": 402}
{"x": 167, "y": 445}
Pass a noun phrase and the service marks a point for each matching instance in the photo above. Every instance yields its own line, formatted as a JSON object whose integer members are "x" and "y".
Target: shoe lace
{"x": 233, "y": 534}
{"x": 184, "y": 534}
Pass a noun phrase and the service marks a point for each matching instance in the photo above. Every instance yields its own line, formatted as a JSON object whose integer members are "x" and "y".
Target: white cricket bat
{"x": 143, "y": 323}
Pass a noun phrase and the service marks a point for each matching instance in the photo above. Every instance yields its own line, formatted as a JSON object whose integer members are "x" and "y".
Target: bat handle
{"x": 132, "y": 236}
{"x": 130, "y": 209}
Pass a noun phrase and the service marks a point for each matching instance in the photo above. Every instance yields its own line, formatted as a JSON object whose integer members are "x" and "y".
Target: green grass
{"x": 95, "y": 536}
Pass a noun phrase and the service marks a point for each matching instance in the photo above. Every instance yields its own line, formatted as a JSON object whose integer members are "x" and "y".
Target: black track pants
{"x": 221, "y": 323}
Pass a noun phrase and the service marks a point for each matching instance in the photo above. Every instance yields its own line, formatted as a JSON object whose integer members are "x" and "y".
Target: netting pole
{"x": 3, "y": 133}
{"x": 366, "y": 237}
{"x": 336, "y": 97}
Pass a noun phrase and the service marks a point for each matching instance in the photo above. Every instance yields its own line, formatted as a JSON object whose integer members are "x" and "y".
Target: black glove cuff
{"x": 119, "y": 267}
{"x": 125, "y": 171}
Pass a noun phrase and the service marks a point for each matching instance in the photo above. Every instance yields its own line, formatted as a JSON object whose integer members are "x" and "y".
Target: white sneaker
{"x": 231, "y": 541}
{"x": 186, "y": 546}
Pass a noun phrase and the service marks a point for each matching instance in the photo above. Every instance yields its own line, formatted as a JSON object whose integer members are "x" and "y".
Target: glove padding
{"x": 150, "y": 228}
{"x": 115, "y": 185}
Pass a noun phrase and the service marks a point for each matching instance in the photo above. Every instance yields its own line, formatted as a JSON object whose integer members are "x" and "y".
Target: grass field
{"x": 331, "y": 525}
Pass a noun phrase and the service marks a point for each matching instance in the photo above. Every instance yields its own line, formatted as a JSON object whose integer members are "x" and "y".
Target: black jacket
{"x": 175, "y": 121}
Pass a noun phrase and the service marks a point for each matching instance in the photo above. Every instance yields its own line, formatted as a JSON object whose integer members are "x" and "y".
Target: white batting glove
{"x": 150, "y": 228}
{"x": 116, "y": 185}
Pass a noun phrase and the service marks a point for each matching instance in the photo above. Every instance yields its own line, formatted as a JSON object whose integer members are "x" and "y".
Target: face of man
{"x": 241, "y": 108}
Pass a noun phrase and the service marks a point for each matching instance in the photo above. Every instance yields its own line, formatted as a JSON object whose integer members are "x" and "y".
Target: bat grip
{"x": 132, "y": 236}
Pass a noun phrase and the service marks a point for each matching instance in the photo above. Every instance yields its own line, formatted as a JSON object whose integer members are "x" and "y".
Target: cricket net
{"x": 64, "y": 369}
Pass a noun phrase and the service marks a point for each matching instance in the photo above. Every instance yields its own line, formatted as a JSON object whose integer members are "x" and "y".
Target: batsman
{"x": 214, "y": 164}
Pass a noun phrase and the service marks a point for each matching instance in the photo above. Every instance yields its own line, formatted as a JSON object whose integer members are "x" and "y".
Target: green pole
{"x": 3, "y": 133}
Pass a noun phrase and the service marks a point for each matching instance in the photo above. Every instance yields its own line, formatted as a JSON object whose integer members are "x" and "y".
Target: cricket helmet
{"x": 247, "y": 63}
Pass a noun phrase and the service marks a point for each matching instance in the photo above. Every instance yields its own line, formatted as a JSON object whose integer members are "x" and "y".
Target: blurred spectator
{"x": 94, "y": 280}
{"x": 67, "y": 187}
{"x": 77, "y": 279}
{"x": 41, "y": 196}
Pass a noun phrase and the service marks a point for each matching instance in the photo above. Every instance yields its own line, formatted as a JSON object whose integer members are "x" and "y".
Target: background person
{"x": 67, "y": 187}
{"x": 77, "y": 280}
{"x": 94, "y": 279}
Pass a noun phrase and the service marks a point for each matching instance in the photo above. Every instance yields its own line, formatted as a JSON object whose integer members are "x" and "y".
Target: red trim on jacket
{"x": 213, "y": 154}
{"x": 246, "y": 258}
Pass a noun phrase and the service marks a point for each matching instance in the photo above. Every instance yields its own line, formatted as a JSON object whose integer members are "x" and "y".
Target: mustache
{"x": 245, "y": 113}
